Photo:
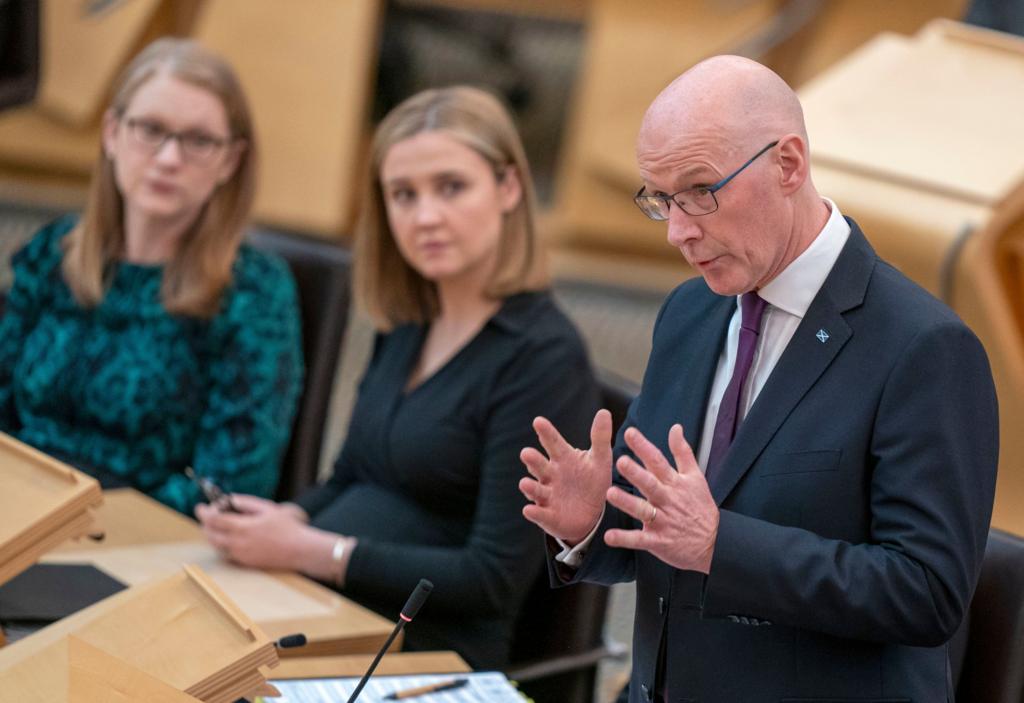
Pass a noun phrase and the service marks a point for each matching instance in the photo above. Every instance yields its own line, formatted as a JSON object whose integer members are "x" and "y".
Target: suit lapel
{"x": 678, "y": 384}
{"x": 701, "y": 363}
{"x": 805, "y": 359}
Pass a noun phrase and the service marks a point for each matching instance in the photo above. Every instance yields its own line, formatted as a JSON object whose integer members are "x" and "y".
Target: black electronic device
{"x": 212, "y": 492}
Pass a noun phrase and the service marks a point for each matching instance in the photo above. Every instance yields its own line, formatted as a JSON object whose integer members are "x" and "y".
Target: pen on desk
{"x": 423, "y": 690}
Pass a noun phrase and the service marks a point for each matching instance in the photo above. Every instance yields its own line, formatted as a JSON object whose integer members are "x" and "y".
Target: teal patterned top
{"x": 128, "y": 389}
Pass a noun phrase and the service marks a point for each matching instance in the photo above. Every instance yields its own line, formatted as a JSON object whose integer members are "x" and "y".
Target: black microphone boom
{"x": 289, "y": 641}
{"x": 412, "y": 606}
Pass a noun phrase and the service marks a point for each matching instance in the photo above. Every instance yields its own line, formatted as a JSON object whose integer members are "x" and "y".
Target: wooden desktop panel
{"x": 146, "y": 540}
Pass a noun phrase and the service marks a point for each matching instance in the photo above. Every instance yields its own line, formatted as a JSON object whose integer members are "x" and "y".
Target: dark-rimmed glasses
{"x": 696, "y": 201}
{"x": 196, "y": 146}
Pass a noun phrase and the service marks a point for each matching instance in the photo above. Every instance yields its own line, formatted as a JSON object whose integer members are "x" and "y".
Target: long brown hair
{"x": 195, "y": 278}
{"x": 391, "y": 290}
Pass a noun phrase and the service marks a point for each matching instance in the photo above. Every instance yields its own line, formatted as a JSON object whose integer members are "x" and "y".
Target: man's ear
{"x": 510, "y": 189}
{"x": 795, "y": 162}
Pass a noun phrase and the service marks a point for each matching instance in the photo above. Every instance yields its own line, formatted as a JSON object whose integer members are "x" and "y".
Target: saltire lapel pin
{"x": 822, "y": 336}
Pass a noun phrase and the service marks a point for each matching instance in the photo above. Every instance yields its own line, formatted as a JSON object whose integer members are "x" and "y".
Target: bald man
{"x": 802, "y": 489}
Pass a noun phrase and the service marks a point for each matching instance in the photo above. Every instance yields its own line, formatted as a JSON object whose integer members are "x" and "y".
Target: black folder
{"x": 44, "y": 593}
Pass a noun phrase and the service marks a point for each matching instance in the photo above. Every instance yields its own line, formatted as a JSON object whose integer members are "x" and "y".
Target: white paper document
{"x": 484, "y": 686}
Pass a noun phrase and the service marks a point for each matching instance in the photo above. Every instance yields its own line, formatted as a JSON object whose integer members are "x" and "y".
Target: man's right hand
{"x": 568, "y": 486}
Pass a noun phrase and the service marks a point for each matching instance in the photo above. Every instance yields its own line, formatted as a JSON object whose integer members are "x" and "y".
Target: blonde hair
{"x": 391, "y": 290}
{"x": 195, "y": 278}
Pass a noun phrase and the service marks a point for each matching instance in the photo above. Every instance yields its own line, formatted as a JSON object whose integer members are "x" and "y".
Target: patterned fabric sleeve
{"x": 255, "y": 377}
{"x": 33, "y": 265}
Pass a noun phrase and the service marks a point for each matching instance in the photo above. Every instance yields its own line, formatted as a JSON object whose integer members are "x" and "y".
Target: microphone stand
{"x": 376, "y": 660}
{"x": 412, "y": 607}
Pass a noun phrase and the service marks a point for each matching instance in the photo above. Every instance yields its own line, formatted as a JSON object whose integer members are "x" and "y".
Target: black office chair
{"x": 559, "y": 638}
{"x": 19, "y": 51}
{"x": 987, "y": 652}
{"x": 321, "y": 270}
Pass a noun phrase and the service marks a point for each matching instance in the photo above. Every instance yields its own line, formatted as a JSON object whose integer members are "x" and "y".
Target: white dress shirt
{"x": 788, "y": 295}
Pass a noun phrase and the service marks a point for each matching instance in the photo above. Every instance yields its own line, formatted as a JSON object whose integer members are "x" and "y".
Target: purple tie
{"x": 752, "y": 309}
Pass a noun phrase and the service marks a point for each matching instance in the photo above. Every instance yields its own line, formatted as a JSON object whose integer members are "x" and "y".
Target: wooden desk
{"x": 129, "y": 519}
{"x": 355, "y": 664}
{"x": 146, "y": 540}
{"x": 179, "y": 629}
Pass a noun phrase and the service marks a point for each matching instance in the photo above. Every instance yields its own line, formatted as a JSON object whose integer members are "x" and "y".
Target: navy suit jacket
{"x": 855, "y": 500}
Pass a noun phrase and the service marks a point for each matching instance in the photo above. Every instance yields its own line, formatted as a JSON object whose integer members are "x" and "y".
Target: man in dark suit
{"x": 824, "y": 541}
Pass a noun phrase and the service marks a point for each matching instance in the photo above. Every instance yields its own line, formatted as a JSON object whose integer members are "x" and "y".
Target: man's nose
{"x": 681, "y": 226}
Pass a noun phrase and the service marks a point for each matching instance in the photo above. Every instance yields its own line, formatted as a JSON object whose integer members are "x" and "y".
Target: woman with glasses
{"x": 471, "y": 349}
{"x": 143, "y": 337}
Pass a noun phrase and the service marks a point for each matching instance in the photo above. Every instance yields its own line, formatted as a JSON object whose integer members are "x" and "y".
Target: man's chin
{"x": 722, "y": 286}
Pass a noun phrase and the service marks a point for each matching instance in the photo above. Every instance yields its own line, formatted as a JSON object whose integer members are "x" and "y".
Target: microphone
{"x": 412, "y": 606}
{"x": 416, "y": 600}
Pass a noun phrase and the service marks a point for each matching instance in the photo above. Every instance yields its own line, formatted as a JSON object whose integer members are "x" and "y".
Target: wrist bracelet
{"x": 338, "y": 551}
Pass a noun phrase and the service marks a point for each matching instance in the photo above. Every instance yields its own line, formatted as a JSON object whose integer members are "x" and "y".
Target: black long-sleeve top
{"x": 427, "y": 480}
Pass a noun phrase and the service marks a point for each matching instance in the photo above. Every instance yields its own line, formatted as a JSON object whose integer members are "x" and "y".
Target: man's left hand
{"x": 678, "y": 513}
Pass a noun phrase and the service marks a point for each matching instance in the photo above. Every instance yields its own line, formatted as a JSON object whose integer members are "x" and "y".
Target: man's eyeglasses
{"x": 693, "y": 201}
{"x": 196, "y": 146}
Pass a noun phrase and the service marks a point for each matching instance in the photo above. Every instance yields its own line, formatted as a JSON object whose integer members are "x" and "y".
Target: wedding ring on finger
{"x": 654, "y": 514}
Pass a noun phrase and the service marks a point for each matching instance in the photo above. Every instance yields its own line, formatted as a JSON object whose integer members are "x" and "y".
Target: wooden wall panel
{"x": 308, "y": 73}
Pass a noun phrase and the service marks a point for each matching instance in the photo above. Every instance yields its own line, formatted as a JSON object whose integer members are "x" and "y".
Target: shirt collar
{"x": 796, "y": 286}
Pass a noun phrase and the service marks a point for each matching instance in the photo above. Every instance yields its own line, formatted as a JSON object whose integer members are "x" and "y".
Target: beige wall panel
{"x": 633, "y": 51}
{"x": 911, "y": 228}
{"x": 82, "y": 52}
{"x": 307, "y": 68}
{"x": 912, "y": 126}
{"x": 31, "y": 139}
{"x": 843, "y": 25}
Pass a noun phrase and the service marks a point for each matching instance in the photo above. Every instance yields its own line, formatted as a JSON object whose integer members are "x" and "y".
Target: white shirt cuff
{"x": 573, "y": 556}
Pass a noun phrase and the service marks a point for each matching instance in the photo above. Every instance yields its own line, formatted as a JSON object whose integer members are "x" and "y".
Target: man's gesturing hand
{"x": 568, "y": 486}
{"x": 679, "y": 515}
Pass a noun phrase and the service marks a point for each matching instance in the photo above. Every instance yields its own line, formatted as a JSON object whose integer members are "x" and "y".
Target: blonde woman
{"x": 471, "y": 348}
{"x": 144, "y": 337}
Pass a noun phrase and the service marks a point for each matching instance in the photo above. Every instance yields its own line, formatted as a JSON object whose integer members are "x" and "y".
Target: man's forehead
{"x": 674, "y": 158}
{"x": 682, "y": 129}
